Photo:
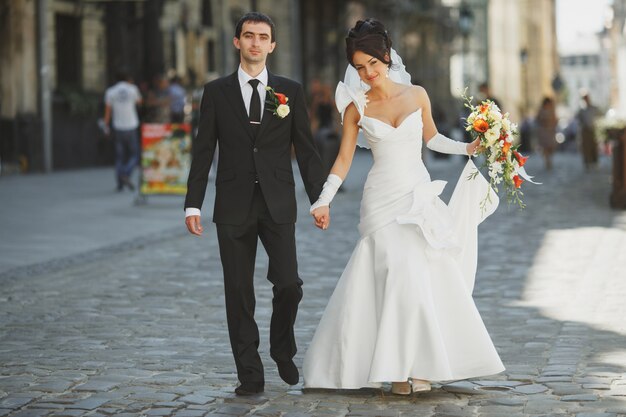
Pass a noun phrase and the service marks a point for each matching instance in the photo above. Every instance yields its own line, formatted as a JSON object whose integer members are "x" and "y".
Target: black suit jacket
{"x": 243, "y": 156}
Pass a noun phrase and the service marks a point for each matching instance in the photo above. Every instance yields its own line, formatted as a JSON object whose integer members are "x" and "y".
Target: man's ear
{"x": 236, "y": 42}
{"x": 272, "y": 47}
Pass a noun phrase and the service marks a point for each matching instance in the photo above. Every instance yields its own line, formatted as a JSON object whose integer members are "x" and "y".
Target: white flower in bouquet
{"x": 492, "y": 136}
{"x": 506, "y": 123}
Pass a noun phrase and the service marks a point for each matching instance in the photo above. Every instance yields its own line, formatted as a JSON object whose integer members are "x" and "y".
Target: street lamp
{"x": 466, "y": 22}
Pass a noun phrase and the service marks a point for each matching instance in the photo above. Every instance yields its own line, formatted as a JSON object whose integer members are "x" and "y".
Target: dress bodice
{"x": 388, "y": 143}
{"x": 394, "y": 145}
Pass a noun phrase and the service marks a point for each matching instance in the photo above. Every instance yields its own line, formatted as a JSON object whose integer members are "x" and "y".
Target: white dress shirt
{"x": 246, "y": 93}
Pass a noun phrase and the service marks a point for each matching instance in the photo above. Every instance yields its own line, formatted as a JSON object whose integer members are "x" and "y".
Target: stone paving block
{"x": 159, "y": 412}
{"x": 566, "y": 389}
{"x": 57, "y": 386}
{"x": 498, "y": 414}
{"x": 235, "y": 410}
{"x": 499, "y": 383}
{"x": 461, "y": 387}
{"x": 89, "y": 403}
{"x": 542, "y": 404}
{"x": 506, "y": 401}
{"x": 371, "y": 413}
{"x": 595, "y": 415}
{"x": 108, "y": 410}
{"x": 31, "y": 413}
{"x": 126, "y": 414}
{"x": 450, "y": 409}
{"x": 69, "y": 413}
{"x": 610, "y": 405}
{"x": 152, "y": 397}
{"x": 14, "y": 403}
{"x": 531, "y": 389}
{"x": 561, "y": 378}
{"x": 299, "y": 414}
{"x": 170, "y": 404}
{"x": 47, "y": 406}
{"x": 97, "y": 386}
{"x": 617, "y": 390}
{"x": 521, "y": 378}
{"x": 580, "y": 397}
{"x": 196, "y": 399}
{"x": 190, "y": 413}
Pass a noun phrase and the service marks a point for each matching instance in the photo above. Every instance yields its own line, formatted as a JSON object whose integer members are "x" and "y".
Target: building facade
{"x": 585, "y": 70}
{"x": 446, "y": 45}
{"x": 617, "y": 58}
{"x": 523, "y": 54}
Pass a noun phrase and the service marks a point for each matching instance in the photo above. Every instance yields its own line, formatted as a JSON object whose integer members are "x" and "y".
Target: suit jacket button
{"x": 256, "y": 149}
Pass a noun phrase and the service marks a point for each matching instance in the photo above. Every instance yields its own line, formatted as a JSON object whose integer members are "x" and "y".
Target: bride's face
{"x": 371, "y": 69}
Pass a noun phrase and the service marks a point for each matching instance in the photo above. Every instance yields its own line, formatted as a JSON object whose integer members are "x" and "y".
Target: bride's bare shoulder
{"x": 419, "y": 94}
{"x": 418, "y": 91}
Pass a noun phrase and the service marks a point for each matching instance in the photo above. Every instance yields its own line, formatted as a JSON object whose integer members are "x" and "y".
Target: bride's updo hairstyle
{"x": 370, "y": 37}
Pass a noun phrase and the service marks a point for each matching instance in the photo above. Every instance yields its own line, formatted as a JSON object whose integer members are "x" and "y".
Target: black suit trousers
{"x": 238, "y": 244}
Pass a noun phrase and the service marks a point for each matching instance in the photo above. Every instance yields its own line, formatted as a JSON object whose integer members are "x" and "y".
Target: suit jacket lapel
{"x": 268, "y": 117}
{"x": 234, "y": 97}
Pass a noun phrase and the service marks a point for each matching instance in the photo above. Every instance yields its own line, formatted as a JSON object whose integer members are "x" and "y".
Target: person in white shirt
{"x": 121, "y": 119}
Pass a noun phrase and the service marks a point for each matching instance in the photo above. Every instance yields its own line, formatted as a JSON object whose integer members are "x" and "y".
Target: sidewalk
{"x": 140, "y": 330}
{"x": 57, "y": 216}
{"x": 48, "y": 219}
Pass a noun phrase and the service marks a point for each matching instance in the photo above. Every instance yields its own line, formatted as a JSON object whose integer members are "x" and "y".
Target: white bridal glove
{"x": 442, "y": 144}
{"x": 330, "y": 188}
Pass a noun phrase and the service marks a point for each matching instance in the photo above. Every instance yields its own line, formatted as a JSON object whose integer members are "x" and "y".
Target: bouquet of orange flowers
{"x": 496, "y": 132}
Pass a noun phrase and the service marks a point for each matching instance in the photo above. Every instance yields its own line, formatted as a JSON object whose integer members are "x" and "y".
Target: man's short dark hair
{"x": 255, "y": 17}
{"x": 122, "y": 75}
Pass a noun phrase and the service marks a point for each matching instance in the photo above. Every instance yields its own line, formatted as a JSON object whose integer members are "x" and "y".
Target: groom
{"x": 255, "y": 194}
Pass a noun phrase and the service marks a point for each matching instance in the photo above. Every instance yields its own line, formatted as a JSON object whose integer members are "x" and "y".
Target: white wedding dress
{"x": 403, "y": 306}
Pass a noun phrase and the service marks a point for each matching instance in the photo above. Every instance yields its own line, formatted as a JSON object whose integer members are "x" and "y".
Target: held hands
{"x": 320, "y": 210}
{"x": 322, "y": 217}
{"x": 193, "y": 225}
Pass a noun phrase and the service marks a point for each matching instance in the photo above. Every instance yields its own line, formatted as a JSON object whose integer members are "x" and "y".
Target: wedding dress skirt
{"x": 403, "y": 306}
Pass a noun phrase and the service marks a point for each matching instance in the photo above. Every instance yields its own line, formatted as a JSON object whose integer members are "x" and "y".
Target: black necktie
{"x": 255, "y": 105}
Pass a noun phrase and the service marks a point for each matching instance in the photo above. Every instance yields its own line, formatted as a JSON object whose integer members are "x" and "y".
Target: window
{"x": 210, "y": 53}
{"x": 68, "y": 51}
{"x": 207, "y": 13}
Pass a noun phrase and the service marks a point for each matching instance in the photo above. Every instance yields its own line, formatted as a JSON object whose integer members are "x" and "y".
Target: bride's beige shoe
{"x": 401, "y": 388}
{"x": 419, "y": 385}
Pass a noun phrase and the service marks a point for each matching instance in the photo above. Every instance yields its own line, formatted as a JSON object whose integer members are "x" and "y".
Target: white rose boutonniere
{"x": 282, "y": 110}
{"x": 277, "y": 103}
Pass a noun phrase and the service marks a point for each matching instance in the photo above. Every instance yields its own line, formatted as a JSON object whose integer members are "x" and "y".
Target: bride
{"x": 402, "y": 311}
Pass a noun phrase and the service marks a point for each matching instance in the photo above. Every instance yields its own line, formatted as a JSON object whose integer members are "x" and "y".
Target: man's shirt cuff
{"x": 190, "y": 211}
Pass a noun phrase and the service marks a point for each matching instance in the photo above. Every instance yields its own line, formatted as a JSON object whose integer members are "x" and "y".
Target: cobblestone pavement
{"x": 140, "y": 329}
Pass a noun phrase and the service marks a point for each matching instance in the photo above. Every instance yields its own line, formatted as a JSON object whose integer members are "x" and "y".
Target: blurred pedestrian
{"x": 177, "y": 95}
{"x": 122, "y": 121}
{"x": 485, "y": 94}
{"x": 587, "y": 115}
{"x": 546, "y": 122}
{"x": 526, "y": 133}
{"x": 322, "y": 111}
{"x": 158, "y": 101}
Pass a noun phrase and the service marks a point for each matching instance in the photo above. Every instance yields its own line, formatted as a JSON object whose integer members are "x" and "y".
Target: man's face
{"x": 255, "y": 42}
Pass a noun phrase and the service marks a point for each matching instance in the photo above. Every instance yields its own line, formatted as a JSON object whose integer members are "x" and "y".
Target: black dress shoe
{"x": 250, "y": 388}
{"x": 127, "y": 182}
{"x": 288, "y": 372}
